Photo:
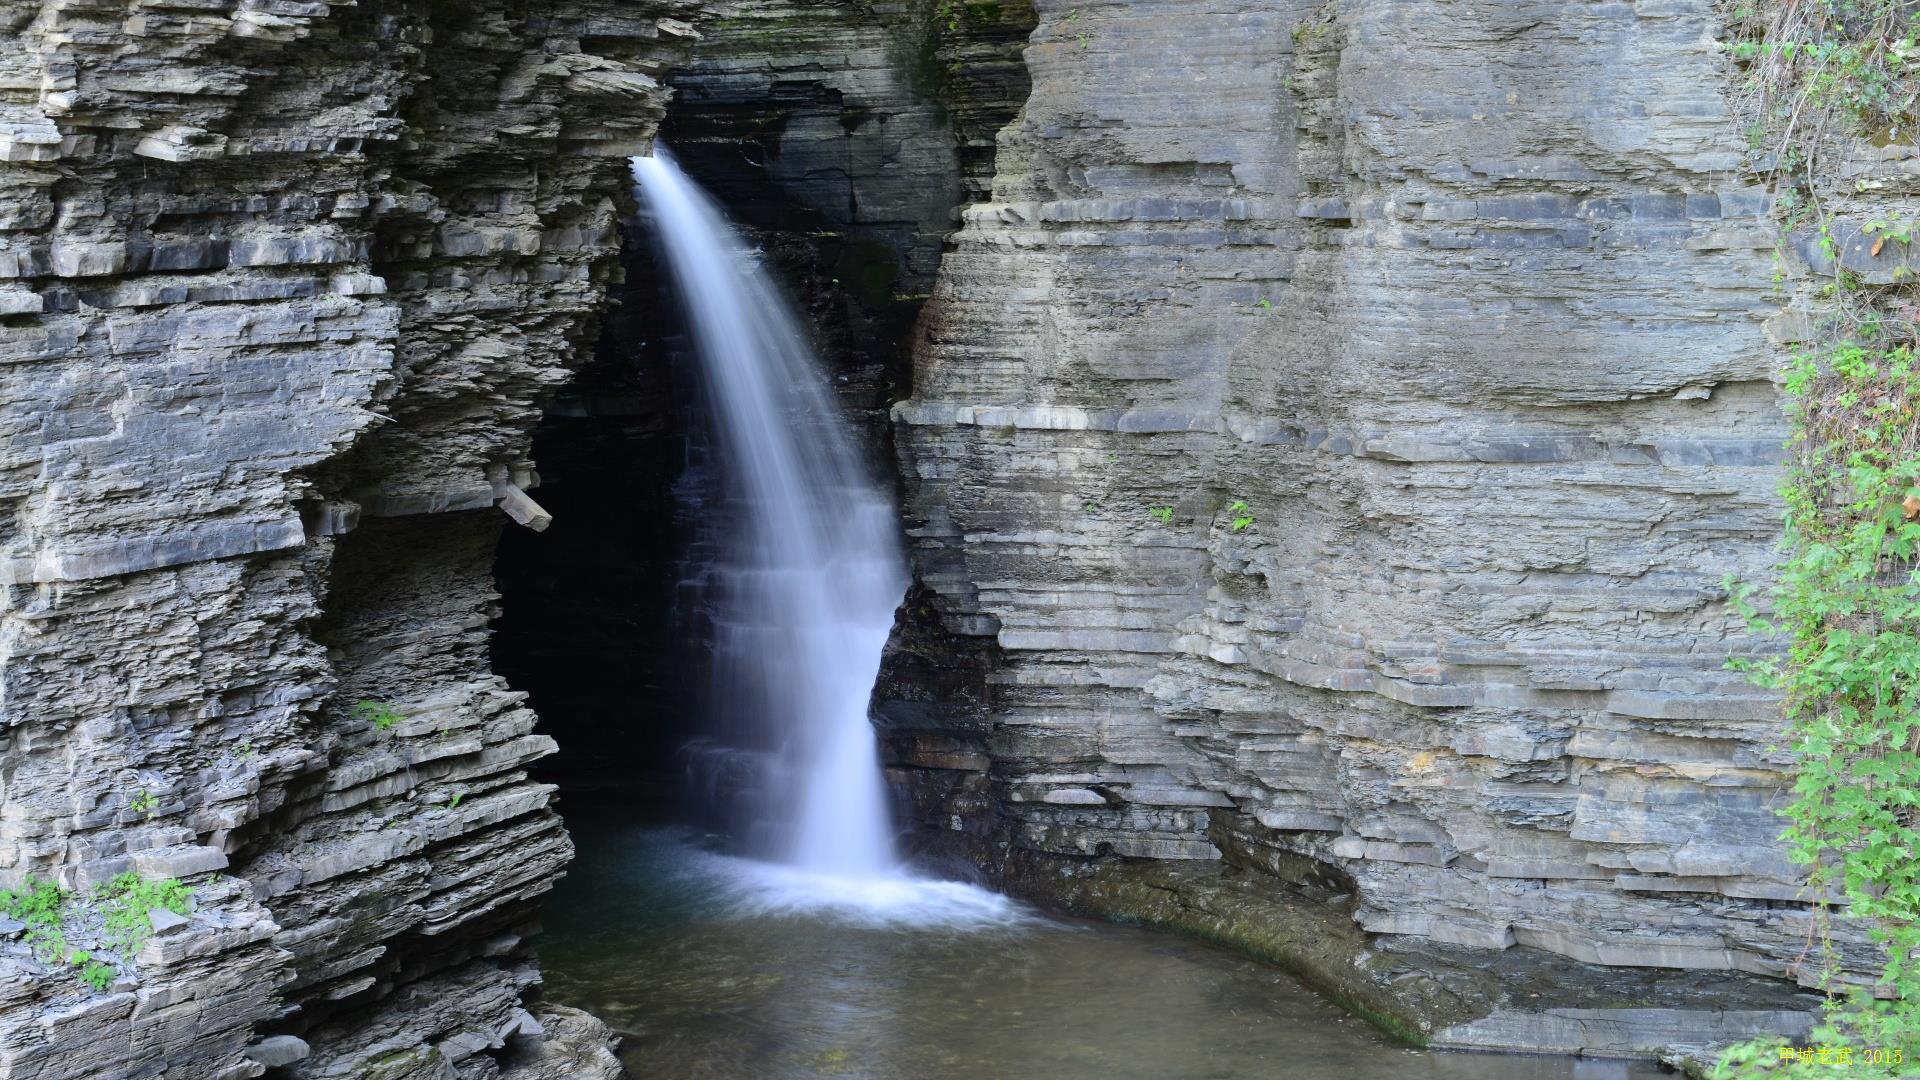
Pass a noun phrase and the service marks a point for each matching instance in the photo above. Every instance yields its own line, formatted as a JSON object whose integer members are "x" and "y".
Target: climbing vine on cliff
{"x": 1832, "y": 80}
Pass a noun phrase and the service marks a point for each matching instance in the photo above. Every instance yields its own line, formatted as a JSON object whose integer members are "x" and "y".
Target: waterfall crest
{"x": 799, "y": 569}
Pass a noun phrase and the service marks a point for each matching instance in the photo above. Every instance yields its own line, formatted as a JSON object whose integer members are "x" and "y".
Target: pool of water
{"x": 714, "y": 967}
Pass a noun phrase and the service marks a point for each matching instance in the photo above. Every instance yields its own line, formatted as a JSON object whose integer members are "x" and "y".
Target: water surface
{"x": 712, "y": 969}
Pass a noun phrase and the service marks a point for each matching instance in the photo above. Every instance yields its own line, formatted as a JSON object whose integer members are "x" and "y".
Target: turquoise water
{"x": 711, "y": 971}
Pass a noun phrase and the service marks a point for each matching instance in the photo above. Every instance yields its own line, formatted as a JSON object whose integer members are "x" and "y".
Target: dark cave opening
{"x": 586, "y": 626}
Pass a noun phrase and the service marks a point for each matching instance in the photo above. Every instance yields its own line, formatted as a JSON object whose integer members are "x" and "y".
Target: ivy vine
{"x": 1830, "y": 81}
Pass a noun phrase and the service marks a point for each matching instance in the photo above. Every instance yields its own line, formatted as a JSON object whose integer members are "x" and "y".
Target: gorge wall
{"x": 1341, "y": 418}
{"x": 286, "y": 285}
{"x": 1468, "y": 305}
{"x": 1474, "y": 310}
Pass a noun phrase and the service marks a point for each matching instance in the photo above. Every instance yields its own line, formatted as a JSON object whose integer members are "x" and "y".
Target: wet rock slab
{"x": 1429, "y": 994}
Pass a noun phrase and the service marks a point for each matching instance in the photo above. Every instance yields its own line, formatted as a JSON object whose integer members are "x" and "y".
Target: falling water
{"x": 801, "y": 568}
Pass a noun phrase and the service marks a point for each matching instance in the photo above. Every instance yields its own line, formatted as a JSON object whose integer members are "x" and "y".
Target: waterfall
{"x": 799, "y": 567}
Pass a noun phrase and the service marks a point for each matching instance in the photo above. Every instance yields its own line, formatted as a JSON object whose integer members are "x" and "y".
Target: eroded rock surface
{"x": 1463, "y": 303}
{"x": 1342, "y": 419}
{"x": 285, "y": 285}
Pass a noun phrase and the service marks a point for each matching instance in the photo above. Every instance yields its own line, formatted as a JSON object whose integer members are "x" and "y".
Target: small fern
{"x": 378, "y": 713}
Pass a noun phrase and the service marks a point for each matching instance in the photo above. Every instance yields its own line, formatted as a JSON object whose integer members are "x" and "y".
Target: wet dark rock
{"x": 1427, "y": 993}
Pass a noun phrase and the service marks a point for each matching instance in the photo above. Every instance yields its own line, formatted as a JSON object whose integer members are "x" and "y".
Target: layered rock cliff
{"x": 1341, "y": 419}
{"x": 285, "y": 286}
{"x": 1327, "y": 440}
{"x": 1329, "y": 429}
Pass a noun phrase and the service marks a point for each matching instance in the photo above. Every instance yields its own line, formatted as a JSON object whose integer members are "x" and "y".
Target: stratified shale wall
{"x": 283, "y": 286}
{"x": 1342, "y": 418}
{"x": 1326, "y": 435}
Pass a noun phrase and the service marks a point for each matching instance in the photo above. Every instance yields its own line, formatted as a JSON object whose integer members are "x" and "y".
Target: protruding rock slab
{"x": 1444, "y": 996}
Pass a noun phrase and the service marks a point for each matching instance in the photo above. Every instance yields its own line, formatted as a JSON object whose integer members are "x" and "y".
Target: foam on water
{"x": 756, "y": 889}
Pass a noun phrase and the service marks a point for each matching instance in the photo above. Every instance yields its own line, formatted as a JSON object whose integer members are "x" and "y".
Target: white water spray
{"x": 805, "y": 567}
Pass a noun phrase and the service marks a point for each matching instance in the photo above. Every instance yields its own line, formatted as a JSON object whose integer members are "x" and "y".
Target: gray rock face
{"x": 165, "y": 923}
{"x": 1466, "y": 307}
{"x": 284, "y": 286}
{"x": 277, "y": 1050}
{"x": 844, "y": 135}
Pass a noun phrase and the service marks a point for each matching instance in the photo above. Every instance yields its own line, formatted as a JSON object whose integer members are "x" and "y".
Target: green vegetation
{"x": 40, "y": 905}
{"x": 952, "y": 14}
{"x": 1815, "y": 62}
{"x": 455, "y": 801}
{"x": 52, "y": 913}
{"x": 1263, "y": 302}
{"x": 1829, "y": 76}
{"x": 1847, "y": 600}
{"x": 1081, "y": 38}
{"x": 94, "y": 973}
{"x": 125, "y": 902}
{"x": 1241, "y": 515}
{"x": 144, "y": 803}
{"x": 1161, "y": 514}
{"x": 378, "y": 713}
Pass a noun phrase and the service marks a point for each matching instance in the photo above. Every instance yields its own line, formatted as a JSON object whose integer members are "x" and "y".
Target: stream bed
{"x": 716, "y": 968}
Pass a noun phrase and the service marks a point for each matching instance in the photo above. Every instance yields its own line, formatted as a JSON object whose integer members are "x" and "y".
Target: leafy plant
{"x": 41, "y": 906}
{"x": 1161, "y": 514}
{"x": 244, "y": 752}
{"x": 1827, "y": 76}
{"x": 92, "y": 972}
{"x": 455, "y": 801}
{"x": 144, "y": 803}
{"x": 1263, "y": 302}
{"x": 1848, "y": 602}
{"x": 378, "y": 713}
{"x": 126, "y": 900}
{"x": 123, "y": 904}
{"x": 1241, "y": 515}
